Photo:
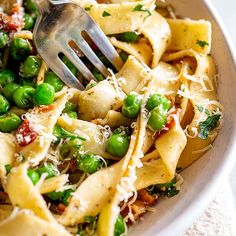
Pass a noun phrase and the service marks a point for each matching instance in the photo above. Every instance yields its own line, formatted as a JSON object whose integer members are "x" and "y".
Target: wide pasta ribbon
{"x": 120, "y": 17}
{"x": 169, "y": 148}
{"x": 157, "y": 33}
{"x": 24, "y": 222}
{"x": 201, "y": 92}
{"x": 24, "y": 194}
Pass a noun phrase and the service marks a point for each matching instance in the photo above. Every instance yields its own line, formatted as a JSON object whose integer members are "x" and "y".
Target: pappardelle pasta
{"x": 93, "y": 162}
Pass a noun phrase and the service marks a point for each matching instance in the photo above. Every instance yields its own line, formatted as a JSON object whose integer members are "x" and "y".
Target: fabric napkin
{"x": 219, "y": 219}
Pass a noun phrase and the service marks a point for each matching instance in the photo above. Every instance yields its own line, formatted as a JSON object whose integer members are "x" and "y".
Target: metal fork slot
{"x": 102, "y": 42}
{"x": 71, "y": 55}
{"x": 65, "y": 74}
{"x": 90, "y": 54}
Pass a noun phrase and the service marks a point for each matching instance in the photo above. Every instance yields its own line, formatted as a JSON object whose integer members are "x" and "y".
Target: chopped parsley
{"x": 61, "y": 133}
{"x": 167, "y": 189}
{"x": 202, "y": 44}
{"x": 140, "y": 8}
{"x": 105, "y": 14}
{"x": 8, "y": 168}
{"x": 208, "y": 125}
{"x": 200, "y": 108}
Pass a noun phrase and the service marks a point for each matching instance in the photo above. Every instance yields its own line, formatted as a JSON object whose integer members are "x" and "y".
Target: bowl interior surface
{"x": 202, "y": 179}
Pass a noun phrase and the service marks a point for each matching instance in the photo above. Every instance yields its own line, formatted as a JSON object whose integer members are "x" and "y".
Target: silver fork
{"x": 61, "y": 22}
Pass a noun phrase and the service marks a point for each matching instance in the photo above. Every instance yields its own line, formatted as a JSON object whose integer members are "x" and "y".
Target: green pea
{"x": 8, "y": 168}
{"x": 157, "y": 119}
{"x": 44, "y": 94}
{"x": 158, "y": 100}
{"x": 60, "y": 196}
{"x": 129, "y": 37}
{"x": 30, "y": 6}
{"x": 124, "y": 56}
{"x": 28, "y": 81}
{"x": 131, "y": 106}
{"x": 55, "y": 195}
{"x": 73, "y": 114}
{"x": 9, "y": 122}
{"x": 23, "y": 97}
{"x": 29, "y": 22}
{"x": 117, "y": 145}
{"x": 52, "y": 79}
{"x": 70, "y": 106}
{"x": 33, "y": 175}
{"x": 31, "y": 66}
{"x": 7, "y": 76}
{"x": 90, "y": 85}
{"x": 4, "y": 105}
{"x": 48, "y": 168}
{"x": 70, "y": 65}
{"x": 88, "y": 163}
{"x": 71, "y": 148}
{"x": 119, "y": 226}
{"x": 3, "y": 39}
{"x": 20, "y": 49}
{"x": 9, "y": 89}
{"x": 97, "y": 74}
{"x": 66, "y": 195}
{"x": 104, "y": 60}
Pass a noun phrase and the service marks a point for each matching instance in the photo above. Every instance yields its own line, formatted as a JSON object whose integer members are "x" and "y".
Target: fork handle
{"x": 43, "y": 5}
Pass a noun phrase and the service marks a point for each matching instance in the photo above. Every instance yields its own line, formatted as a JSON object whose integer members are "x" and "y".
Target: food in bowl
{"x": 94, "y": 161}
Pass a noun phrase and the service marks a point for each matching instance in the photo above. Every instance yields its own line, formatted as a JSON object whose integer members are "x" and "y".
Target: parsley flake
{"x": 140, "y": 8}
{"x": 105, "y": 14}
{"x": 200, "y": 108}
{"x": 208, "y": 125}
{"x": 202, "y": 44}
{"x": 87, "y": 8}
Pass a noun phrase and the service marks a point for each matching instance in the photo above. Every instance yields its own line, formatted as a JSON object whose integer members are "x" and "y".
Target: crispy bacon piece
{"x": 25, "y": 134}
{"x": 70, "y": 164}
{"x": 140, "y": 206}
{"x": 43, "y": 109}
{"x": 57, "y": 208}
{"x": 13, "y": 22}
{"x": 146, "y": 197}
{"x": 61, "y": 207}
{"x": 3, "y": 197}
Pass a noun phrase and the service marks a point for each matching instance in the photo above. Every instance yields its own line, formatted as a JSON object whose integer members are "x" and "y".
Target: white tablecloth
{"x": 219, "y": 219}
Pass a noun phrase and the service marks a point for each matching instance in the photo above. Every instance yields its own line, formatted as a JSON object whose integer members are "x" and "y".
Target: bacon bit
{"x": 3, "y": 197}
{"x": 170, "y": 123}
{"x": 140, "y": 206}
{"x": 57, "y": 209}
{"x": 145, "y": 196}
{"x": 25, "y": 134}
{"x": 15, "y": 9}
{"x": 61, "y": 207}
{"x": 71, "y": 165}
{"x": 13, "y": 22}
{"x": 43, "y": 109}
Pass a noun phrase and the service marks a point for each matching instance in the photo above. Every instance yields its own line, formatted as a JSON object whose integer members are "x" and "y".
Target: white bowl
{"x": 202, "y": 179}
